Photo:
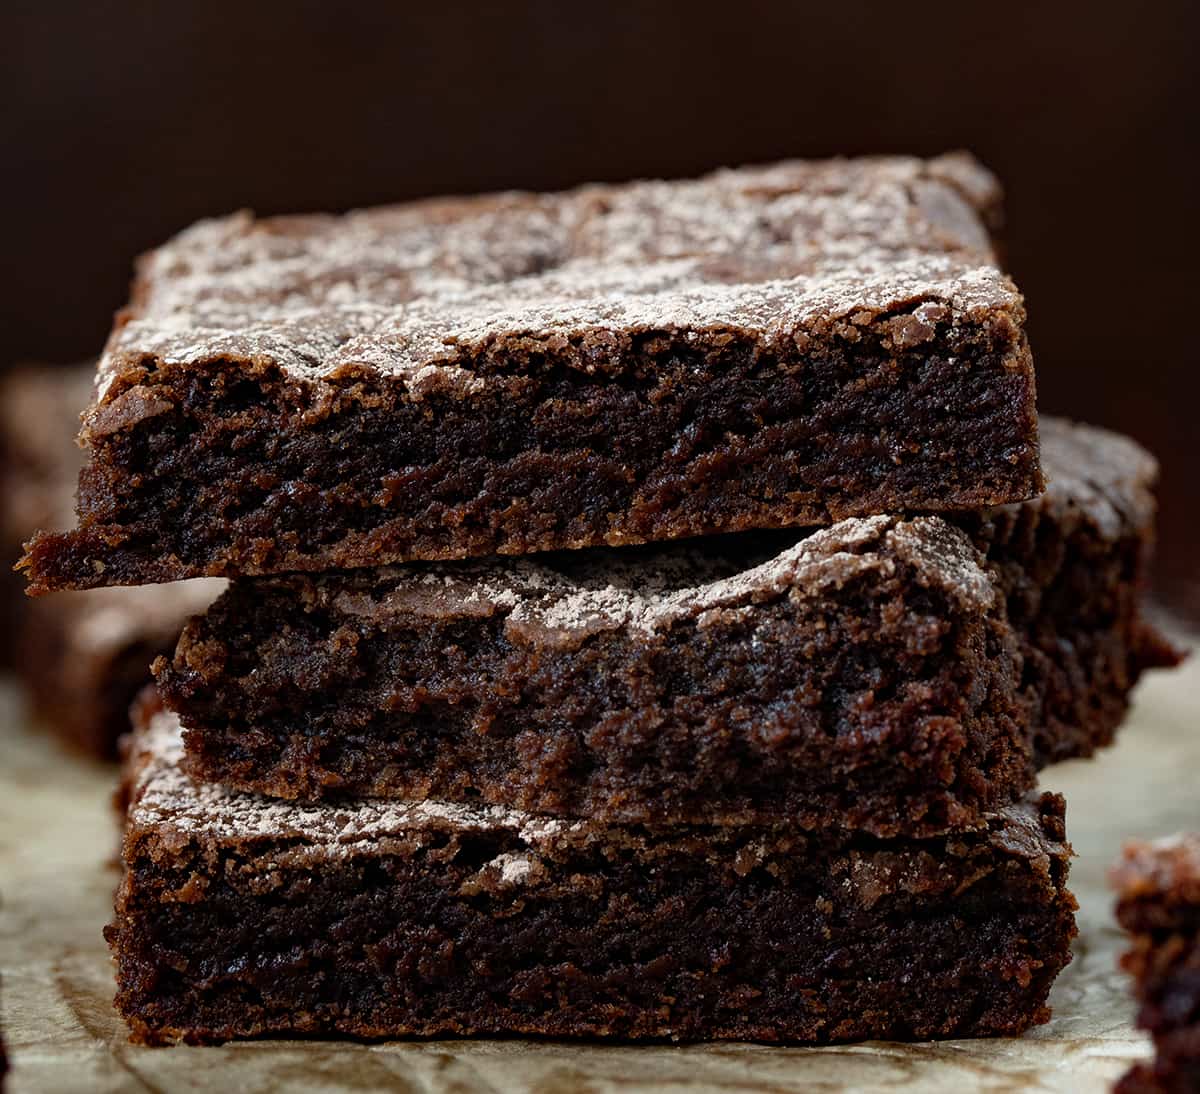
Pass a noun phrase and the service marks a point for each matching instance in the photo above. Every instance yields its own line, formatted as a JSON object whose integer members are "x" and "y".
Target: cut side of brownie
{"x": 83, "y": 656}
{"x": 1158, "y": 903}
{"x": 863, "y": 677}
{"x": 767, "y": 347}
{"x": 240, "y": 916}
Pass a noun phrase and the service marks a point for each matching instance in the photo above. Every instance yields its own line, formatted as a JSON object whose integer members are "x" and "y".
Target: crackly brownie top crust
{"x": 163, "y": 799}
{"x": 562, "y": 600}
{"x": 787, "y": 252}
{"x": 1104, "y": 476}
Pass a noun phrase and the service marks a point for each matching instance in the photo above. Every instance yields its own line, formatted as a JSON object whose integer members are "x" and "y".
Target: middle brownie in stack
{"x": 771, "y": 785}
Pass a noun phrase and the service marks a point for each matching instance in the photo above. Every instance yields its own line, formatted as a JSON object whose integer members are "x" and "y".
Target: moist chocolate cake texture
{"x": 239, "y": 916}
{"x": 775, "y": 346}
{"x": 83, "y": 656}
{"x": 1158, "y": 903}
{"x": 881, "y": 674}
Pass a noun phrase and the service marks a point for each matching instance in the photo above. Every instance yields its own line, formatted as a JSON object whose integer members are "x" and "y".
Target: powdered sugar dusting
{"x": 563, "y": 604}
{"x": 770, "y": 250}
{"x": 1101, "y": 476}
{"x": 164, "y": 797}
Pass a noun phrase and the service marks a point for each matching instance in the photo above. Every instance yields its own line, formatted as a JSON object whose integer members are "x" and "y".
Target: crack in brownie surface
{"x": 239, "y": 916}
{"x": 761, "y": 348}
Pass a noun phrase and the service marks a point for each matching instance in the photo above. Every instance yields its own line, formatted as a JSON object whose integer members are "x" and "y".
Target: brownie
{"x": 867, "y": 675}
{"x": 864, "y": 676}
{"x": 84, "y": 655}
{"x": 241, "y": 916}
{"x": 1158, "y": 903}
{"x": 767, "y": 347}
{"x": 1073, "y": 565}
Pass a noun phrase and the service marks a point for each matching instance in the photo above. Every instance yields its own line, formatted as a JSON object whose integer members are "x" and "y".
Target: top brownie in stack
{"x": 778, "y": 346}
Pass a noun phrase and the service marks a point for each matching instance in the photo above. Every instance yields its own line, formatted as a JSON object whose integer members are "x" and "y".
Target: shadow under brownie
{"x": 880, "y": 674}
{"x": 1158, "y": 903}
{"x": 773, "y": 346}
{"x": 239, "y": 916}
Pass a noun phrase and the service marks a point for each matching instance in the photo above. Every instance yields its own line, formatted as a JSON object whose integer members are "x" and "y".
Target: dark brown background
{"x": 121, "y": 123}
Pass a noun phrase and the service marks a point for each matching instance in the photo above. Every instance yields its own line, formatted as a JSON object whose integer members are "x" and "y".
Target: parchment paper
{"x": 57, "y": 840}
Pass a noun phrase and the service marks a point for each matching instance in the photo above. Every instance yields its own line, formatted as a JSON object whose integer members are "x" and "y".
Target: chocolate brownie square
{"x": 773, "y": 346}
{"x": 240, "y": 916}
{"x": 1158, "y": 903}
{"x": 864, "y": 677}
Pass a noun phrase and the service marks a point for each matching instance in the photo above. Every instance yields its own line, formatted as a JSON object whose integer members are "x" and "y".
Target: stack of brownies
{"x": 648, "y": 615}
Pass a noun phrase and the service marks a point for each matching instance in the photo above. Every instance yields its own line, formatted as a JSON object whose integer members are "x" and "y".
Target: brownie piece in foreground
{"x": 864, "y": 677}
{"x": 773, "y": 346}
{"x": 239, "y": 916}
{"x": 83, "y": 656}
{"x": 1073, "y": 565}
{"x": 1158, "y": 903}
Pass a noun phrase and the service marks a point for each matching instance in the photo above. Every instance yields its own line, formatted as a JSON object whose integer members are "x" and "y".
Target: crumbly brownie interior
{"x": 240, "y": 917}
{"x": 666, "y": 436}
{"x": 853, "y": 679}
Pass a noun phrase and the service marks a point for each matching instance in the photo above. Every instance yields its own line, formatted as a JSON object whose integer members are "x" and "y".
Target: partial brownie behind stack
{"x": 1158, "y": 903}
{"x": 83, "y": 656}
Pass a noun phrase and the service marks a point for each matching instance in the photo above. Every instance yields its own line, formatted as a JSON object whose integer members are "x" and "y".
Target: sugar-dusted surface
{"x": 402, "y": 290}
{"x": 565, "y": 600}
{"x": 163, "y": 796}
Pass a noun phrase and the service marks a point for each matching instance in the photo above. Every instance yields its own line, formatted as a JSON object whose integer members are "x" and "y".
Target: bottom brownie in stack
{"x": 241, "y": 916}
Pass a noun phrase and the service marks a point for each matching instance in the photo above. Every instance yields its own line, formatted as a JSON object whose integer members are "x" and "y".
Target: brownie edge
{"x": 242, "y": 917}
